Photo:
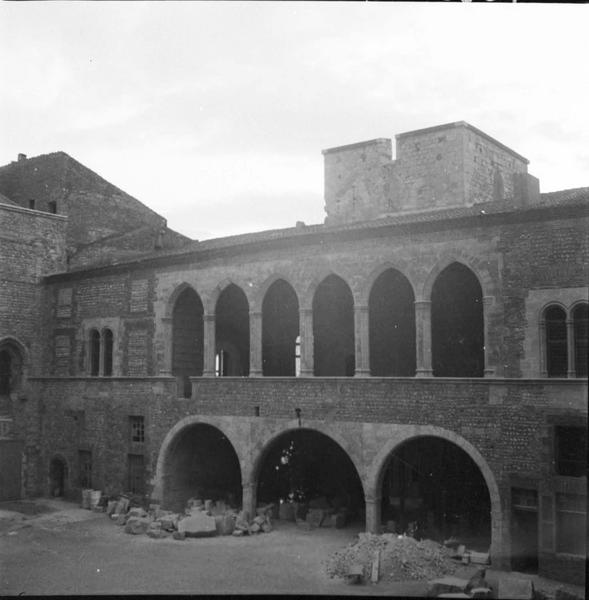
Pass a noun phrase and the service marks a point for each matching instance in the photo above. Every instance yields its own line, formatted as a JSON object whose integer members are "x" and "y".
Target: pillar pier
{"x": 255, "y": 344}
{"x": 306, "y": 333}
{"x": 490, "y": 368}
{"x": 248, "y": 502}
{"x": 362, "y": 342}
{"x": 164, "y": 347}
{"x": 209, "y": 349}
{"x": 570, "y": 348}
{"x": 542, "y": 338}
{"x": 423, "y": 334}
{"x": 372, "y": 514}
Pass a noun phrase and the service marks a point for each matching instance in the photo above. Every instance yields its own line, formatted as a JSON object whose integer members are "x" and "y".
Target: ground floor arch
{"x": 197, "y": 460}
{"x": 308, "y": 469}
{"x": 431, "y": 478}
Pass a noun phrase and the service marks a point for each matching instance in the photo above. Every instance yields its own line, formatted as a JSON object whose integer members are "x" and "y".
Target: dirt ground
{"x": 50, "y": 547}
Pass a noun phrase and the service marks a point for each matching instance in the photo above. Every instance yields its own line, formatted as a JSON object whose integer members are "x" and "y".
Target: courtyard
{"x": 53, "y": 547}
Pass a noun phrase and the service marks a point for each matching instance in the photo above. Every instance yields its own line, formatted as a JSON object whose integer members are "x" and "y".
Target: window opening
{"x": 137, "y": 424}
{"x": 571, "y": 451}
{"x": 570, "y": 523}
{"x": 32, "y": 204}
{"x": 581, "y": 335}
{"x": 108, "y": 345}
{"x": 52, "y": 205}
{"x": 94, "y": 353}
{"x": 556, "y": 342}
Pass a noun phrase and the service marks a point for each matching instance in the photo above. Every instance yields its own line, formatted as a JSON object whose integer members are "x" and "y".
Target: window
{"x": 135, "y": 469}
{"x": 556, "y": 342}
{"x": 137, "y": 426}
{"x": 221, "y": 363}
{"x": 107, "y": 340}
{"x": 94, "y": 353}
{"x": 581, "y": 334}
{"x": 101, "y": 353}
{"x": 570, "y": 523}
{"x": 85, "y": 469}
{"x": 52, "y": 206}
{"x": 32, "y": 204}
{"x": 571, "y": 451}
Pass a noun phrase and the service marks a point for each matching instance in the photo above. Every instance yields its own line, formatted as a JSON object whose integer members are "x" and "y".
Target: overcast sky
{"x": 215, "y": 114}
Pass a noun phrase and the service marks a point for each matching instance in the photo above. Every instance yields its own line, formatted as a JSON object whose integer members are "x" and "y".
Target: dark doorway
{"x": 524, "y": 530}
{"x": 333, "y": 328}
{"x": 308, "y": 469}
{"x": 57, "y": 477}
{"x": 201, "y": 463}
{"x": 433, "y": 488}
{"x": 5, "y": 372}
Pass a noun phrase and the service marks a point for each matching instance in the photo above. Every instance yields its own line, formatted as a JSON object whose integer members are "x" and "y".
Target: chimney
{"x": 22, "y": 157}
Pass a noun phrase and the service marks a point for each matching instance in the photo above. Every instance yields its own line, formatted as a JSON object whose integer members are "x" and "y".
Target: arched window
{"x": 280, "y": 328}
{"x": 94, "y": 351}
{"x": 232, "y": 331}
{"x": 556, "y": 342}
{"x": 100, "y": 353}
{"x": 333, "y": 328}
{"x": 457, "y": 324}
{"x": 581, "y": 335}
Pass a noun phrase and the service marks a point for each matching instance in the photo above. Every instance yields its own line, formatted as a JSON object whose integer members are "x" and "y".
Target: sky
{"x": 215, "y": 114}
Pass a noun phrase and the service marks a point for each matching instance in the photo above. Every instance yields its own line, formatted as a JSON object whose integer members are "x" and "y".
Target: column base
{"x": 489, "y": 373}
{"x": 362, "y": 373}
{"x": 424, "y": 373}
{"x": 208, "y": 374}
{"x": 306, "y": 373}
{"x": 256, "y": 374}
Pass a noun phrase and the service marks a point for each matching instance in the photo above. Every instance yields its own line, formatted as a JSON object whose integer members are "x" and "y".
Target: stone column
{"x": 570, "y": 348}
{"x": 248, "y": 502}
{"x": 423, "y": 341}
{"x": 209, "y": 349}
{"x": 255, "y": 344}
{"x": 306, "y": 333}
{"x": 488, "y": 302}
{"x": 362, "y": 341}
{"x": 372, "y": 515}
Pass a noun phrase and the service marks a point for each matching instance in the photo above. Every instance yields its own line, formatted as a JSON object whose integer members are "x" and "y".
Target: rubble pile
{"x": 401, "y": 558}
{"x": 199, "y": 519}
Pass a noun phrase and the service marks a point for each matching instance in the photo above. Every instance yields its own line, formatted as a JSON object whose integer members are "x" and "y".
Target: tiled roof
{"x": 553, "y": 199}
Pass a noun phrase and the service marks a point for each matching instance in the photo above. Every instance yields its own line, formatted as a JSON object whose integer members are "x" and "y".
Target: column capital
{"x": 255, "y": 314}
{"x": 488, "y": 300}
{"x": 421, "y": 304}
{"x": 360, "y": 308}
{"x": 305, "y": 311}
{"x": 208, "y": 317}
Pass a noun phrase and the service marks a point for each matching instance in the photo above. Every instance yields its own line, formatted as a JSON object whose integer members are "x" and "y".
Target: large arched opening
{"x": 200, "y": 462}
{"x": 391, "y": 312}
{"x": 187, "y": 338}
{"x": 304, "y": 470}
{"x": 457, "y": 323}
{"x": 432, "y": 487}
{"x": 333, "y": 328}
{"x": 280, "y": 330}
{"x": 232, "y": 332}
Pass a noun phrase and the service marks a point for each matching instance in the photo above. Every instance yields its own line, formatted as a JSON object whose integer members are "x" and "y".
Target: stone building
{"x": 420, "y": 356}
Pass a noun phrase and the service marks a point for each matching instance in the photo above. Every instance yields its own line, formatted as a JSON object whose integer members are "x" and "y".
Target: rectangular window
{"x": 135, "y": 470}
{"x": 137, "y": 426}
{"x": 32, "y": 204}
{"x": 571, "y": 451}
{"x": 570, "y": 524}
{"x": 52, "y": 206}
{"x": 85, "y": 468}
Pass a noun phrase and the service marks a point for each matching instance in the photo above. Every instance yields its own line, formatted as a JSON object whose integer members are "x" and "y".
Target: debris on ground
{"x": 401, "y": 558}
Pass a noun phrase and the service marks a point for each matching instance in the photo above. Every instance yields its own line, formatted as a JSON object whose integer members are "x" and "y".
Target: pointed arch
{"x": 481, "y": 275}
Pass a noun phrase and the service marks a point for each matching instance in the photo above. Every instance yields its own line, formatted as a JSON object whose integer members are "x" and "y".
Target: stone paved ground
{"x": 67, "y": 550}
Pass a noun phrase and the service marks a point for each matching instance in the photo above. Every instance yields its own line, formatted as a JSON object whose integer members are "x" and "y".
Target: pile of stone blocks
{"x": 319, "y": 512}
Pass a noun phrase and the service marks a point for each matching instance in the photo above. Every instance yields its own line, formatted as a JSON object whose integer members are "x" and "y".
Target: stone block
{"x": 286, "y": 512}
{"x": 137, "y": 525}
{"x": 179, "y": 535}
{"x": 315, "y": 517}
{"x": 225, "y": 524}
{"x": 198, "y": 525}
